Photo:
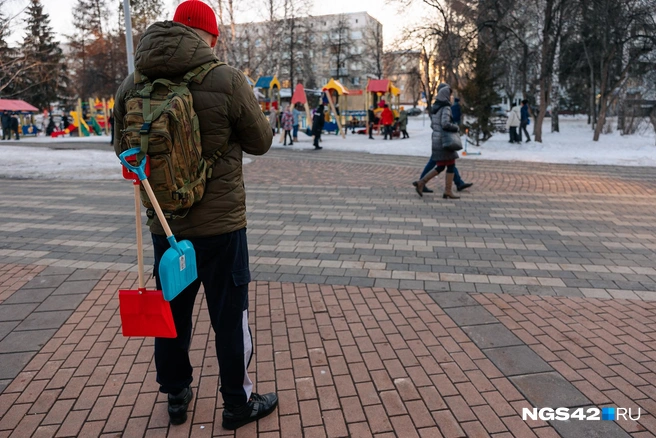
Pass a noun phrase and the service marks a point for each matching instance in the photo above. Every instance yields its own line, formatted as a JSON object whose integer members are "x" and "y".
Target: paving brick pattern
{"x": 375, "y": 313}
{"x": 605, "y": 348}
{"x": 353, "y": 219}
{"x": 346, "y": 361}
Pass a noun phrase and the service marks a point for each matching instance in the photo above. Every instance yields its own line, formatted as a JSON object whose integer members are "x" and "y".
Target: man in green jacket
{"x": 228, "y": 113}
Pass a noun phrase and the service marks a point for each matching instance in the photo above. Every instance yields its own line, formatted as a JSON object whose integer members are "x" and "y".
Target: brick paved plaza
{"x": 375, "y": 313}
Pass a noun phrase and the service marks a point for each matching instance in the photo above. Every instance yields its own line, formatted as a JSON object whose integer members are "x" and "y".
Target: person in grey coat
{"x": 441, "y": 121}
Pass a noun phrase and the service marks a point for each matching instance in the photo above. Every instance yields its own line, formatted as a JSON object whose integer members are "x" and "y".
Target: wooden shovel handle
{"x": 140, "y": 262}
{"x": 158, "y": 209}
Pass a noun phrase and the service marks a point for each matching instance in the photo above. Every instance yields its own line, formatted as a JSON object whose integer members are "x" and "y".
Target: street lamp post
{"x": 128, "y": 36}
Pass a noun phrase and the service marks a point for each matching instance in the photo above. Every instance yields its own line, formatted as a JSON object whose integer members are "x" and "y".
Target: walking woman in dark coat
{"x": 441, "y": 121}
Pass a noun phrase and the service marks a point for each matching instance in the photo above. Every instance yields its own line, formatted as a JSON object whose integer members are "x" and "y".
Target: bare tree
{"x": 374, "y": 63}
{"x": 340, "y": 48}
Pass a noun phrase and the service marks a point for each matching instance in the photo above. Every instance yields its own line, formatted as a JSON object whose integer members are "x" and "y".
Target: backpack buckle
{"x": 145, "y": 128}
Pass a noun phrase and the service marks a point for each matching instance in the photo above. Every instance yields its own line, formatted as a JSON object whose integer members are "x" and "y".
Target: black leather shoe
{"x": 178, "y": 405}
{"x": 465, "y": 186}
{"x": 259, "y": 406}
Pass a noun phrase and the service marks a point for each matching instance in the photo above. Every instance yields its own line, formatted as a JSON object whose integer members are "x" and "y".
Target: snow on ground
{"x": 572, "y": 145}
{"x": 37, "y": 162}
{"x": 67, "y": 139}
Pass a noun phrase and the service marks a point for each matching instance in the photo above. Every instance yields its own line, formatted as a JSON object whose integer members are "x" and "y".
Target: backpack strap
{"x": 198, "y": 74}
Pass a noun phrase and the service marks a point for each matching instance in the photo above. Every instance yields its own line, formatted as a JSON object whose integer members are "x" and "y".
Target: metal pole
{"x": 128, "y": 35}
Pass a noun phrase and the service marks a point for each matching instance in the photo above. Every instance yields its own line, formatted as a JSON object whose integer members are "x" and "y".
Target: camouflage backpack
{"x": 160, "y": 119}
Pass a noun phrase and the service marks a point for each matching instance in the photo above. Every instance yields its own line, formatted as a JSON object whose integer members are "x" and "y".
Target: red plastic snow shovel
{"x": 144, "y": 312}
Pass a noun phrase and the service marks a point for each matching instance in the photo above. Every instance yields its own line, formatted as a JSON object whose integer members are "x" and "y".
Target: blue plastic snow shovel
{"x": 177, "y": 268}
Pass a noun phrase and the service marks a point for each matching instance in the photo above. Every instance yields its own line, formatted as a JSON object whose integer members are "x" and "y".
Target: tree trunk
{"x": 603, "y": 102}
{"x": 545, "y": 71}
{"x": 555, "y": 89}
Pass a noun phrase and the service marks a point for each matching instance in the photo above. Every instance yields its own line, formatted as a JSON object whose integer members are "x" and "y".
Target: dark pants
{"x": 522, "y": 127}
{"x": 223, "y": 271}
{"x": 317, "y": 137}
{"x": 431, "y": 165}
{"x": 513, "y": 134}
{"x": 451, "y": 168}
{"x": 288, "y": 133}
{"x": 388, "y": 131}
{"x": 371, "y": 129}
{"x": 295, "y": 131}
{"x": 6, "y": 132}
{"x": 405, "y": 133}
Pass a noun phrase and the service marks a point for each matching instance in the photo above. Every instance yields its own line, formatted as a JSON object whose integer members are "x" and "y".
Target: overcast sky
{"x": 392, "y": 19}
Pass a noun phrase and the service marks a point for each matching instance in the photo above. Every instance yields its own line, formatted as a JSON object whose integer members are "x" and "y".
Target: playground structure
{"x": 25, "y": 113}
{"x": 270, "y": 87}
{"x": 89, "y": 117}
{"x": 378, "y": 90}
{"x": 334, "y": 89}
{"x": 299, "y": 96}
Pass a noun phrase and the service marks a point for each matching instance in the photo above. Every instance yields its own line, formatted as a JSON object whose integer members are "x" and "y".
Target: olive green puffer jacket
{"x": 227, "y": 111}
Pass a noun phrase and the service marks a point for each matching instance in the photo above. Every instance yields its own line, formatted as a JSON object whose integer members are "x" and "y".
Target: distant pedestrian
{"x": 455, "y": 110}
{"x": 371, "y": 121}
{"x": 6, "y": 125}
{"x": 513, "y": 123}
{"x": 403, "y": 122}
{"x": 14, "y": 125}
{"x": 525, "y": 121}
{"x": 287, "y": 123}
{"x": 51, "y": 126}
{"x": 273, "y": 119}
{"x": 111, "y": 125}
{"x": 65, "y": 121}
{"x": 296, "y": 113}
{"x": 317, "y": 126}
{"x": 441, "y": 123}
{"x": 387, "y": 119}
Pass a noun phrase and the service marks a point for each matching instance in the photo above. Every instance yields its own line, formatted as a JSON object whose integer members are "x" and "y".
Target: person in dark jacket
{"x": 318, "y": 120}
{"x": 403, "y": 122}
{"x": 111, "y": 125}
{"x": 524, "y": 121}
{"x": 229, "y": 119}
{"x": 51, "y": 125}
{"x": 6, "y": 125}
{"x": 14, "y": 125}
{"x": 371, "y": 121}
{"x": 455, "y": 110}
{"x": 441, "y": 122}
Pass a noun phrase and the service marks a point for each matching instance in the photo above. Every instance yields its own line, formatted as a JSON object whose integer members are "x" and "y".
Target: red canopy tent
{"x": 17, "y": 106}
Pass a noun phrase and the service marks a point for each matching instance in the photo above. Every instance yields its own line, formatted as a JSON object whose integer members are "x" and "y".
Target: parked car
{"x": 415, "y": 111}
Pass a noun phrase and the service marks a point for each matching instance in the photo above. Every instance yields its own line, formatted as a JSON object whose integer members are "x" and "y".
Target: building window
{"x": 356, "y": 80}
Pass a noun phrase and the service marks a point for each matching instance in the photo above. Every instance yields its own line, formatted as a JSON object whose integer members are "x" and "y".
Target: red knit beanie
{"x": 195, "y": 13}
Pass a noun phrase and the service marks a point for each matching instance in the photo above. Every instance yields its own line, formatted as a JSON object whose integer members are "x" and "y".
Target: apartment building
{"x": 340, "y": 46}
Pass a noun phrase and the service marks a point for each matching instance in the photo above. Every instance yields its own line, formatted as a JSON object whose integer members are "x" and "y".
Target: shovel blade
{"x": 145, "y": 313}
{"x": 176, "y": 271}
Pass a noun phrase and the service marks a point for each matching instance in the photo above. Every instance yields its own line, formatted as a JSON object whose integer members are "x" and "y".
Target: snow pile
{"x": 572, "y": 145}
{"x": 38, "y": 162}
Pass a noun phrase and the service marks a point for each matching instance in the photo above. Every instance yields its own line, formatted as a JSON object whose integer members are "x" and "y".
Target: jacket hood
{"x": 168, "y": 50}
{"x": 517, "y": 110}
{"x": 444, "y": 94}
